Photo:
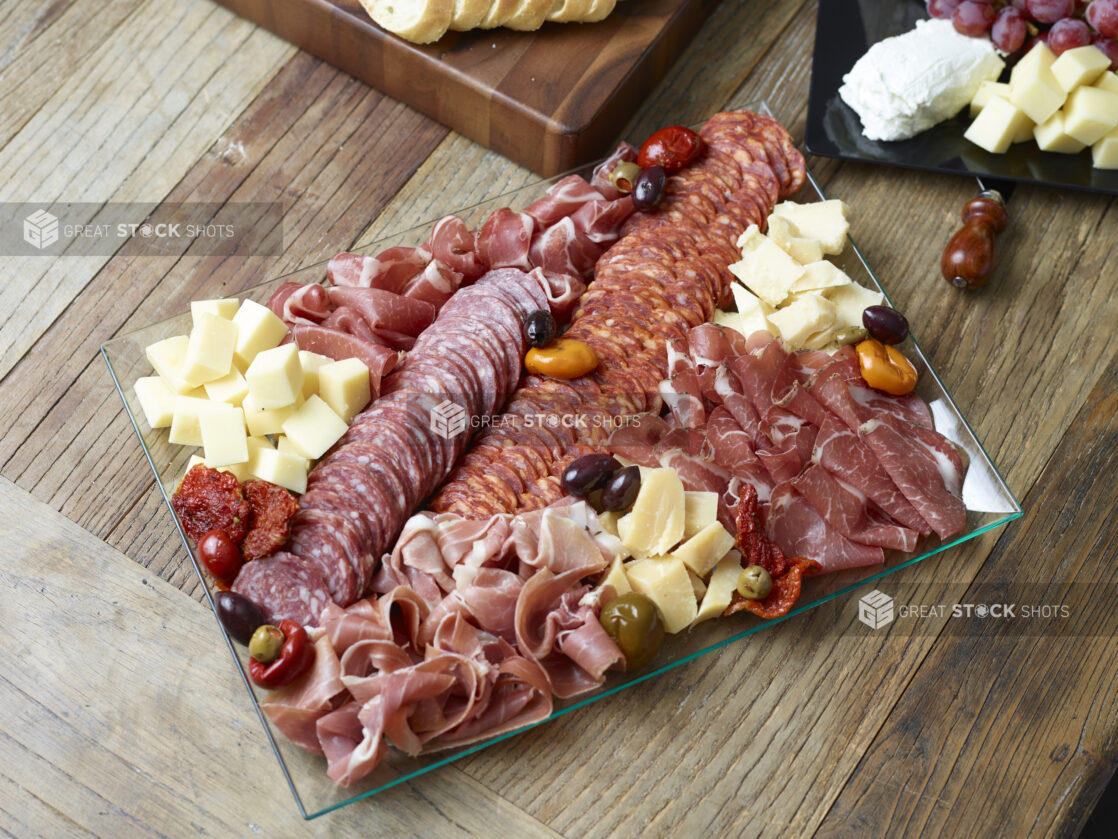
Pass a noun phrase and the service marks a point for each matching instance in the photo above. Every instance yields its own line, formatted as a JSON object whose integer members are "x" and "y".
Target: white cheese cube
{"x": 185, "y": 430}
{"x": 1090, "y": 114}
{"x": 700, "y": 509}
{"x": 768, "y": 271}
{"x": 275, "y": 377}
{"x": 1104, "y": 153}
{"x": 720, "y": 588}
{"x": 344, "y": 386}
{"x": 263, "y": 421}
{"x": 286, "y": 470}
{"x": 314, "y": 428}
{"x": 820, "y": 275}
{"x": 1080, "y": 66}
{"x": 750, "y": 239}
{"x": 703, "y": 551}
{"x": 850, "y": 301}
{"x": 1032, "y": 86}
{"x": 1108, "y": 81}
{"x": 664, "y": 581}
{"x": 166, "y": 358}
{"x": 285, "y": 445}
{"x": 225, "y": 307}
{"x": 807, "y": 315}
{"x": 986, "y": 91}
{"x": 157, "y": 401}
{"x": 230, "y": 388}
{"x": 209, "y": 352}
{"x": 753, "y": 311}
{"x": 997, "y": 126}
{"x": 223, "y": 435}
{"x": 1051, "y": 136}
{"x": 254, "y": 443}
{"x": 698, "y": 587}
{"x": 616, "y": 579}
{"x": 258, "y": 329}
{"x": 823, "y": 221}
{"x": 311, "y": 363}
{"x": 656, "y": 522}
{"x": 787, "y": 238}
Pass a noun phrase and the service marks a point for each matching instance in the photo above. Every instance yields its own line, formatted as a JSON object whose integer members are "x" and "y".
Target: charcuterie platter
{"x": 482, "y": 546}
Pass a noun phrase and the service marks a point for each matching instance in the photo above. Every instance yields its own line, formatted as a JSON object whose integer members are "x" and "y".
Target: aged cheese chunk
{"x": 788, "y": 239}
{"x": 286, "y": 470}
{"x": 702, "y": 551}
{"x": 1032, "y": 86}
{"x": 720, "y": 587}
{"x": 664, "y": 581}
{"x": 209, "y": 351}
{"x": 262, "y": 421}
{"x": 231, "y": 388}
{"x": 1051, "y": 136}
{"x": 987, "y": 90}
{"x": 768, "y": 272}
{"x": 285, "y": 445}
{"x": 850, "y": 300}
{"x": 223, "y": 435}
{"x": 1090, "y": 114}
{"x": 656, "y": 522}
{"x": 608, "y": 521}
{"x": 1080, "y": 66}
{"x": 1104, "y": 153}
{"x": 225, "y": 307}
{"x": 615, "y": 577}
{"x": 157, "y": 401}
{"x": 312, "y": 362}
{"x": 314, "y": 428}
{"x": 166, "y": 358}
{"x": 823, "y": 221}
{"x": 752, "y": 309}
{"x": 750, "y": 239}
{"x": 731, "y": 320}
{"x": 258, "y": 329}
{"x": 698, "y": 587}
{"x": 185, "y": 430}
{"x": 344, "y": 386}
{"x": 1108, "y": 81}
{"x": 254, "y": 443}
{"x": 997, "y": 126}
{"x": 820, "y": 275}
{"x": 807, "y": 315}
{"x": 275, "y": 377}
{"x": 699, "y": 510}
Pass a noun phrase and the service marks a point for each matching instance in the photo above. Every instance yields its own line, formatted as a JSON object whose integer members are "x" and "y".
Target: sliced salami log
{"x": 284, "y": 586}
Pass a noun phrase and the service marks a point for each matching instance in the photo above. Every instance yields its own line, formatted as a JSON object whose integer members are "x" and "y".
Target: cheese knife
{"x": 968, "y": 259}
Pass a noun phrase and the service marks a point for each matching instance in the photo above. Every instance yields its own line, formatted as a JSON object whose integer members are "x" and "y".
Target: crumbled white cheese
{"x": 906, "y": 84}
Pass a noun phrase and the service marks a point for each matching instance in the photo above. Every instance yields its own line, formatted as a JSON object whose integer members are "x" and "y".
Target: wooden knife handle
{"x": 968, "y": 259}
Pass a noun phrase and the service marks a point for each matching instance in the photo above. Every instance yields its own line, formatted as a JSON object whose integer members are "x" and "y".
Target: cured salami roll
{"x": 665, "y": 275}
{"x": 403, "y": 445}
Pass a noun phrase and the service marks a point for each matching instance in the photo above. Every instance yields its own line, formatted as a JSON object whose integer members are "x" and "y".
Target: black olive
{"x": 886, "y": 325}
{"x": 239, "y": 615}
{"x": 588, "y": 473}
{"x": 540, "y": 328}
{"x": 648, "y": 187}
{"x": 621, "y": 490}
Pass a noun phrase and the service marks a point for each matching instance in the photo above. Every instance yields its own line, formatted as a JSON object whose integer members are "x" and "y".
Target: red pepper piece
{"x": 295, "y": 657}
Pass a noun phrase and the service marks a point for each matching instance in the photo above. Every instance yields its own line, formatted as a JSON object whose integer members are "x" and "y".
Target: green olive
{"x": 850, "y": 335}
{"x": 633, "y": 622}
{"x": 623, "y": 176}
{"x": 754, "y": 583}
{"x": 265, "y": 643}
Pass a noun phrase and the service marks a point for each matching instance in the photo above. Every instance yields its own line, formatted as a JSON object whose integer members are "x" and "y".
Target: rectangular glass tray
{"x": 988, "y": 500}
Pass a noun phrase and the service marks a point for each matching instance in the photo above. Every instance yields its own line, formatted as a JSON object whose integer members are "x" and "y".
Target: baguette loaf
{"x": 529, "y": 15}
{"x": 599, "y": 10}
{"x": 418, "y": 21}
{"x": 567, "y": 11}
{"x": 499, "y": 12}
{"x": 468, "y": 14}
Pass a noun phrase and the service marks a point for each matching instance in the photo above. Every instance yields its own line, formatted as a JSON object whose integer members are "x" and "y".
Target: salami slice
{"x": 284, "y": 587}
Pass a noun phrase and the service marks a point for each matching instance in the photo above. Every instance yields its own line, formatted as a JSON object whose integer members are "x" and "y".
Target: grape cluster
{"x": 1017, "y": 24}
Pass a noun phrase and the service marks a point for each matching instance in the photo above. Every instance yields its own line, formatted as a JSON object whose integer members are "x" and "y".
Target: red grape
{"x": 1009, "y": 31}
{"x": 943, "y": 9}
{"x": 1110, "y": 47}
{"x": 1049, "y": 11}
{"x": 1067, "y": 34}
{"x": 973, "y": 18}
{"x": 1103, "y": 15}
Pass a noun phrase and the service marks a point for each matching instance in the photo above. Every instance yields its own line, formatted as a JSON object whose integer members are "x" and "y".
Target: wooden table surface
{"x": 122, "y": 713}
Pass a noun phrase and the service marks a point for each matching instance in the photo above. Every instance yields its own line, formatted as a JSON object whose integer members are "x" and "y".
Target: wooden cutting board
{"x": 549, "y": 100}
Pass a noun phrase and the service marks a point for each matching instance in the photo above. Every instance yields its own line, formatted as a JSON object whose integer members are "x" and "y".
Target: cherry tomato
{"x": 672, "y": 147}
{"x": 220, "y": 555}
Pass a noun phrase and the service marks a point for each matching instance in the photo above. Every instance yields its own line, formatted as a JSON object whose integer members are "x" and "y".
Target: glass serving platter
{"x": 988, "y": 500}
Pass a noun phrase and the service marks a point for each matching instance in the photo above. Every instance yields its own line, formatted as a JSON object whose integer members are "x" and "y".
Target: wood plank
{"x": 99, "y": 748}
{"x": 1034, "y": 717}
{"x": 173, "y": 78}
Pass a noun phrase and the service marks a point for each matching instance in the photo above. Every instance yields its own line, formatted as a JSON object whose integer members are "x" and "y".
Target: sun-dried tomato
{"x": 785, "y": 593}
{"x": 269, "y": 524}
{"x": 211, "y": 500}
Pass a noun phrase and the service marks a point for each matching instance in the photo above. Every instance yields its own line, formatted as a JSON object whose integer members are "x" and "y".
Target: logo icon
{"x": 40, "y": 229}
{"x": 875, "y": 610}
{"x": 448, "y": 419}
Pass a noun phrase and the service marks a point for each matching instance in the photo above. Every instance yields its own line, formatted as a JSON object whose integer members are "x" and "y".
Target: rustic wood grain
{"x": 95, "y": 731}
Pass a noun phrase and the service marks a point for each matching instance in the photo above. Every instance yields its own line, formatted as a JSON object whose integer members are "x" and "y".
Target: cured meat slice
{"x": 599, "y": 221}
{"x": 562, "y": 199}
{"x": 845, "y": 509}
{"x": 799, "y": 530}
{"x": 504, "y": 239}
{"x": 299, "y": 303}
{"x": 385, "y": 311}
{"x": 284, "y": 586}
{"x": 452, "y": 244}
{"x": 565, "y": 249}
{"x": 600, "y": 178}
{"x": 389, "y": 270}
{"x": 435, "y": 284}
